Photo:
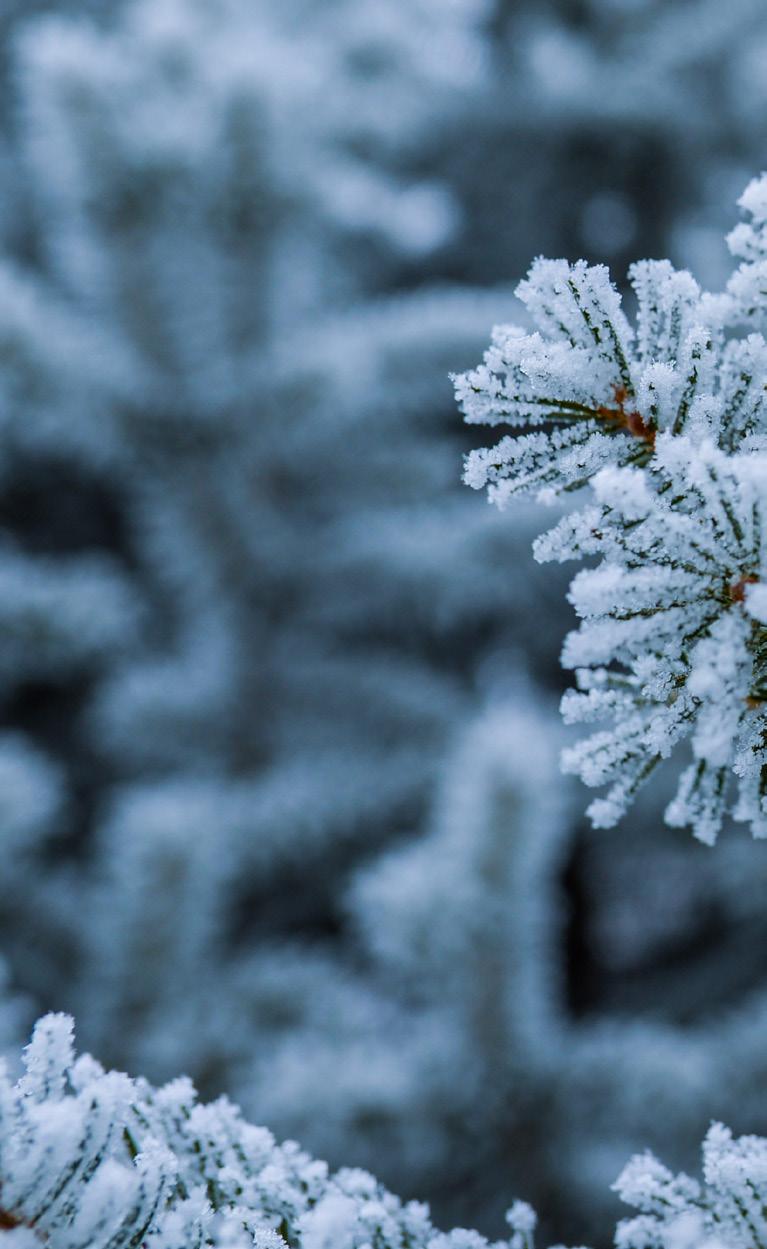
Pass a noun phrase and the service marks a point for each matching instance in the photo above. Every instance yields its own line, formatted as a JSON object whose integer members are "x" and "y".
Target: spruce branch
{"x": 666, "y": 422}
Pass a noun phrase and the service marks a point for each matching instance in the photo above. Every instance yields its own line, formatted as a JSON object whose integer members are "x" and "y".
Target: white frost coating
{"x": 756, "y": 602}
{"x": 726, "y": 1211}
{"x": 330, "y": 1224}
{"x": 97, "y": 1160}
{"x": 748, "y": 241}
{"x": 606, "y": 388}
{"x": 666, "y": 422}
{"x": 669, "y": 605}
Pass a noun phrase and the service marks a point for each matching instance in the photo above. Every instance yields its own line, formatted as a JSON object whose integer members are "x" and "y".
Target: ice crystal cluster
{"x": 91, "y": 1159}
{"x": 665, "y": 422}
{"x": 725, "y": 1211}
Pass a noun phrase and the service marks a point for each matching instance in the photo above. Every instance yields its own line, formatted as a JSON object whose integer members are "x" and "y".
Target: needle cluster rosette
{"x": 666, "y": 422}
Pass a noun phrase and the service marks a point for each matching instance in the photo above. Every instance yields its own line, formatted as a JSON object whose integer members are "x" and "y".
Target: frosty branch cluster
{"x": 95, "y": 1160}
{"x": 666, "y": 422}
{"x": 677, "y": 1212}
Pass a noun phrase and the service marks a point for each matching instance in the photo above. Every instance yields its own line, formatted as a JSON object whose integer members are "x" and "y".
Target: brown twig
{"x": 633, "y": 422}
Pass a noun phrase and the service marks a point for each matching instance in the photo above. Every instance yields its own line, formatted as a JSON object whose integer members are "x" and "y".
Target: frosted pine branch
{"x": 748, "y": 285}
{"x": 726, "y": 1211}
{"x": 666, "y": 422}
{"x": 669, "y": 646}
{"x": 95, "y": 1160}
{"x": 601, "y": 388}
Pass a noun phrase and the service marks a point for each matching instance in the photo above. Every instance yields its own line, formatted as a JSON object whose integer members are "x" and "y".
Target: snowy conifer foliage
{"x": 93, "y": 1159}
{"x": 665, "y": 421}
{"x": 727, "y": 1209}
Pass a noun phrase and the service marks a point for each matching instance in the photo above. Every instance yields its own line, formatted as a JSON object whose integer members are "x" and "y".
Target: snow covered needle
{"x": 94, "y": 1160}
{"x": 726, "y": 1211}
{"x": 667, "y": 423}
{"x": 673, "y": 640}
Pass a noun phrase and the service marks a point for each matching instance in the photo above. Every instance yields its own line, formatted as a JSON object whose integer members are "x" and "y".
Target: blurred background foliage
{"x": 279, "y": 804}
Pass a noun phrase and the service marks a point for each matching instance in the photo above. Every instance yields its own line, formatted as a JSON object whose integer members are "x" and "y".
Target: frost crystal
{"x": 94, "y": 1160}
{"x": 748, "y": 285}
{"x": 666, "y": 423}
{"x": 727, "y": 1211}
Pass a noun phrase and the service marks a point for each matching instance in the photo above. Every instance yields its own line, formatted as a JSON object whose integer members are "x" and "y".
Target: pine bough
{"x": 95, "y": 1160}
{"x": 665, "y": 421}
